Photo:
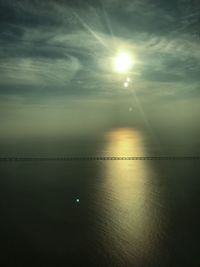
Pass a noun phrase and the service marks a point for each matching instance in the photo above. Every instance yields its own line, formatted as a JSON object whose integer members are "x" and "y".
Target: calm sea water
{"x": 101, "y": 213}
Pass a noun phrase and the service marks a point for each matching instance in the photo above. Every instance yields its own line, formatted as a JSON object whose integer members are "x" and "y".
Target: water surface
{"x": 130, "y": 213}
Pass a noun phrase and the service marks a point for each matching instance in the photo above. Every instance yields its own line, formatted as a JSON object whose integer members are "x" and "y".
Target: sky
{"x": 56, "y": 64}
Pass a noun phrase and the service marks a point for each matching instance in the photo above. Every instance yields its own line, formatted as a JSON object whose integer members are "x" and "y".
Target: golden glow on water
{"x": 124, "y": 142}
{"x": 127, "y": 192}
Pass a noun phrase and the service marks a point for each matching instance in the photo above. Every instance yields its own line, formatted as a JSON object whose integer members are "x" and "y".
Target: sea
{"x": 93, "y": 210}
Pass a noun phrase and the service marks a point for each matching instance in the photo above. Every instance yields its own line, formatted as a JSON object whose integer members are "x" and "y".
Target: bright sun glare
{"x": 123, "y": 62}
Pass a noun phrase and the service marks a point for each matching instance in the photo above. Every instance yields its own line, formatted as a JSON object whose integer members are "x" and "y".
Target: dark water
{"x": 130, "y": 213}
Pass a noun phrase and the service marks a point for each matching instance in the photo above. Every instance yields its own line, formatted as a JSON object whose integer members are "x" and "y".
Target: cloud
{"x": 68, "y": 47}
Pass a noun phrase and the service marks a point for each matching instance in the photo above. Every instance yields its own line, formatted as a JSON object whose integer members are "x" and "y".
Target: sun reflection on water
{"x": 129, "y": 192}
{"x": 124, "y": 142}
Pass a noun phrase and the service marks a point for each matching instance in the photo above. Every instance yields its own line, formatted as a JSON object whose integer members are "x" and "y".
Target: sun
{"x": 123, "y": 62}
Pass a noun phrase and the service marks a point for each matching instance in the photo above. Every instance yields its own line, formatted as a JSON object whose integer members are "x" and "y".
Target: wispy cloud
{"x": 70, "y": 46}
